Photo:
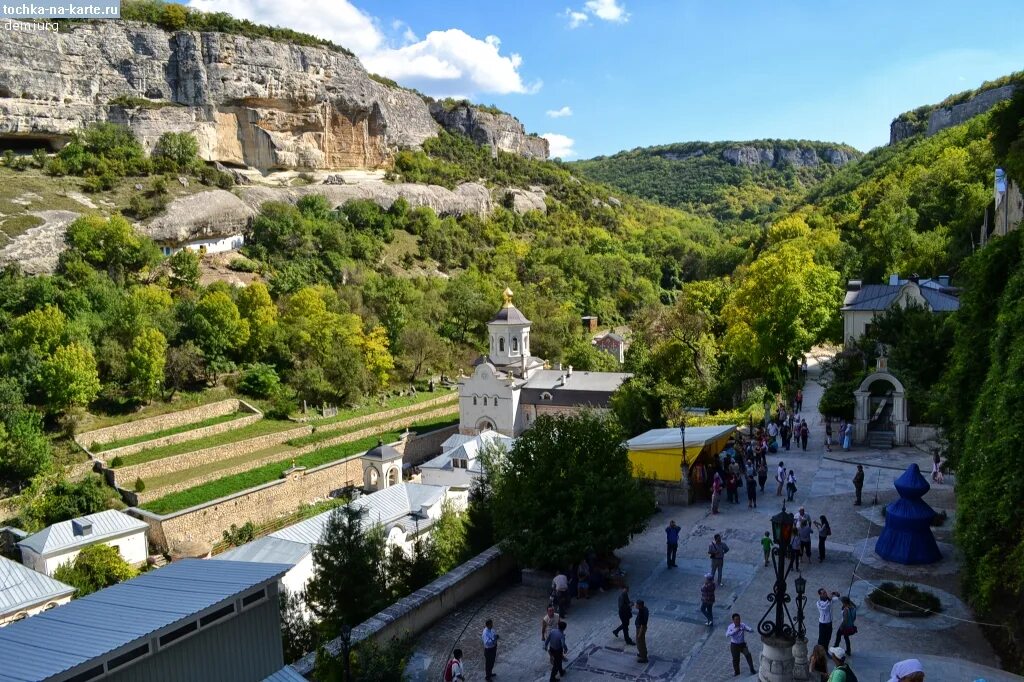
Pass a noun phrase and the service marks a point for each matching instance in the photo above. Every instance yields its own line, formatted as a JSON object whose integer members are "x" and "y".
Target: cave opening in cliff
{"x": 26, "y": 144}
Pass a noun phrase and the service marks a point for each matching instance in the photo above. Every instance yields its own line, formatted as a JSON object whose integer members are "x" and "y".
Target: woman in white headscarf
{"x": 909, "y": 670}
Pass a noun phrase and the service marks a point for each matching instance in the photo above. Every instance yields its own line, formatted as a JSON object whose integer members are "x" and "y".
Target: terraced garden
{"x": 261, "y": 428}
{"x": 184, "y": 428}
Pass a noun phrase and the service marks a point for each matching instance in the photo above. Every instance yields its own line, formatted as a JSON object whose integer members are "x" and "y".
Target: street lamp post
{"x": 346, "y": 648}
{"x": 776, "y": 629}
{"x": 800, "y": 671}
{"x": 684, "y": 465}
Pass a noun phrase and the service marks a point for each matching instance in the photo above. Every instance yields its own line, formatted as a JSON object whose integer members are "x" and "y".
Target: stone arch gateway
{"x": 870, "y": 408}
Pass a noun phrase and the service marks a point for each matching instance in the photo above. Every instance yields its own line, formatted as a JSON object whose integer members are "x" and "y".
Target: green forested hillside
{"x": 697, "y": 177}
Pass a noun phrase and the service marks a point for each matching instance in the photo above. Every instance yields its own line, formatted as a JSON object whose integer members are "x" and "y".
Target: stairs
{"x": 881, "y": 440}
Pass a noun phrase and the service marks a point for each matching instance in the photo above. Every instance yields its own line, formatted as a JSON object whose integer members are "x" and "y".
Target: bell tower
{"x": 508, "y": 335}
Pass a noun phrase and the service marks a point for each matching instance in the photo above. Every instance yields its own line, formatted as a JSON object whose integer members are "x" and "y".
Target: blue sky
{"x": 631, "y": 73}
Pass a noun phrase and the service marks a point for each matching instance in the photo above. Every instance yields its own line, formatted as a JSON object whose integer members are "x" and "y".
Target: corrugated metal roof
{"x": 600, "y": 382}
{"x": 881, "y": 296}
{"x": 269, "y": 550}
{"x": 657, "y": 439}
{"x": 61, "y": 536}
{"x": 940, "y": 302}
{"x": 391, "y": 504}
{"x": 468, "y": 449}
{"x": 21, "y": 587}
{"x": 60, "y": 639}
{"x": 286, "y": 674}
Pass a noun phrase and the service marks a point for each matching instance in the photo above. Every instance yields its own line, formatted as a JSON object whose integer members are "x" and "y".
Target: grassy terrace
{"x": 326, "y": 434}
{"x": 260, "y": 428}
{"x": 391, "y": 404}
{"x": 271, "y": 472}
{"x": 183, "y": 400}
{"x": 112, "y": 445}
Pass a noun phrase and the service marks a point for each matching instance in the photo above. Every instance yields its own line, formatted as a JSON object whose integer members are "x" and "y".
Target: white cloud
{"x": 560, "y": 146}
{"x": 609, "y": 10}
{"x": 560, "y": 113}
{"x": 336, "y": 20}
{"x": 444, "y": 63}
{"x": 576, "y": 19}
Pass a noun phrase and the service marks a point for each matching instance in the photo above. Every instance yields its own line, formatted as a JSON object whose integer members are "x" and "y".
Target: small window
{"x": 216, "y": 615}
{"x": 515, "y": 345}
{"x": 256, "y": 596}
{"x": 175, "y": 635}
{"x": 545, "y": 396}
{"x": 51, "y": 605}
{"x": 474, "y": 400}
{"x": 485, "y": 401}
{"x": 128, "y": 657}
{"x": 501, "y": 345}
{"x": 21, "y": 616}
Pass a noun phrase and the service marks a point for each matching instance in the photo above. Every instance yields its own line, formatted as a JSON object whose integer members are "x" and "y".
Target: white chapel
{"x": 509, "y": 387}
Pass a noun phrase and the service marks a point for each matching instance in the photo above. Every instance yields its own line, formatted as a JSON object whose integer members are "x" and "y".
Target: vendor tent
{"x": 657, "y": 454}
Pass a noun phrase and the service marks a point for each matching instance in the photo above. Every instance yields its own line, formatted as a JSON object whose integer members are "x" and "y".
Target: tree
{"x": 584, "y": 356}
{"x": 256, "y": 306}
{"x": 39, "y": 330}
{"x": 581, "y": 461}
{"x": 147, "y": 360}
{"x": 185, "y": 367}
{"x": 95, "y": 567}
{"x": 259, "y": 380}
{"x": 349, "y": 583}
{"x": 184, "y": 269}
{"x": 69, "y": 377}
{"x": 51, "y": 498}
{"x": 376, "y": 356}
{"x": 298, "y": 632}
{"x": 449, "y": 538}
{"x": 217, "y": 326}
{"x": 111, "y": 245}
{"x": 176, "y": 152}
{"x": 423, "y": 349}
{"x": 24, "y": 448}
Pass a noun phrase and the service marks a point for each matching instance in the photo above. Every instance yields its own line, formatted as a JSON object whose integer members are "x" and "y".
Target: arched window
{"x": 501, "y": 345}
{"x": 485, "y": 401}
{"x": 515, "y": 345}
{"x": 474, "y": 400}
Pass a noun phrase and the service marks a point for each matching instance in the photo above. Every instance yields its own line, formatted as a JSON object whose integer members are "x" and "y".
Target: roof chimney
{"x": 944, "y": 280}
{"x": 894, "y": 279}
{"x": 81, "y": 527}
{"x": 853, "y": 285}
{"x": 570, "y": 371}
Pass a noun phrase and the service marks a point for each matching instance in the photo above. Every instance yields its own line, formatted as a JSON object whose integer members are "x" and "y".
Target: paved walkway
{"x": 681, "y": 646}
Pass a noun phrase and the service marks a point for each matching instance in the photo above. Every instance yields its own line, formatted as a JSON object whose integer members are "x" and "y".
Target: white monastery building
{"x": 510, "y": 388}
{"x": 60, "y": 543}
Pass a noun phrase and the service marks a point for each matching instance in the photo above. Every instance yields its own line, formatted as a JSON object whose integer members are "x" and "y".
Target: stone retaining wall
{"x": 415, "y": 613}
{"x": 125, "y": 476}
{"x": 448, "y": 397}
{"x": 170, "y": 420}
{"x": 184, "y": 436}
{"x": 426, "y": 446}
{"x": 205, "y": 523}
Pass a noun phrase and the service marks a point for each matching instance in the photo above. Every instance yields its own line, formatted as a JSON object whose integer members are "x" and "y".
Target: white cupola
{"x": 508, "y": 335}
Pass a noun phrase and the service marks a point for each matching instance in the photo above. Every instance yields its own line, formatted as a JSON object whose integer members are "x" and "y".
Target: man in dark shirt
{"x": 672, "y": 542}
{"x": 625, "y": 607}
{"x": 858, "y": 482}
{"x": 642, "y": 616}
{"x": 557, "y": 647}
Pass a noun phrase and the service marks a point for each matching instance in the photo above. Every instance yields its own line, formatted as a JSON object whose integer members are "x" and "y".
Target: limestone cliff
{"x": 500, "y": 131}
{"x": 931, "y": 119}
{"x": 766, "y": 154}
{"x": 249, "y": 102}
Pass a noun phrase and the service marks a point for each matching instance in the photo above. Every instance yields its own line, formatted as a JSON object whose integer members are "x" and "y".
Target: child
{"x": 766, "y": 545}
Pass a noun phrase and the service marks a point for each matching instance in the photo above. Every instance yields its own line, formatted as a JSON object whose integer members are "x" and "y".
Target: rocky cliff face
{"x": 499, "y": 131}
{"x": 258, "y": 103}
{"x": 940, "y": 118}
{"x": 775, "y": 157}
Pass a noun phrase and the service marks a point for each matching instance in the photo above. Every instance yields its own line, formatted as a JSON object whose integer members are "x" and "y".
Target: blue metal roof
{"x": 268, "y": 549}
{"x": 22, "y": 588}
{"x": 61, "y": 537}
{"x": 285, "y": 674}
{"x": 55, "y": 641}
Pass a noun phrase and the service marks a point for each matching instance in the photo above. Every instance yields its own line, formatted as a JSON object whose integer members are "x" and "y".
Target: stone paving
{"x": 680, "y": 646}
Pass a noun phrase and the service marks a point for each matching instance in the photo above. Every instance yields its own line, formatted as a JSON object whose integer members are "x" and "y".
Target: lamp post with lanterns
{"x": 776, "y": 625}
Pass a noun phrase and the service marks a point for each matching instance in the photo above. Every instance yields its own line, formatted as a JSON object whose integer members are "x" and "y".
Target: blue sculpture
{"x": 907, "y": 538}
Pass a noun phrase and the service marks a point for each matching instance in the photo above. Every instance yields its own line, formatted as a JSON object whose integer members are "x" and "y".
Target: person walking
{"x": 848, "y": 624}
{"x": 794, "y": 552}
{"x": 736, "y": 632}
{"x": 762, "y": 475}
{"x": 453, "y": 670}
{"x": 824, "y": 604}
{"x": 786, "y": 432}
{"x": 799, "y": 400}
{"x": 716, "y": 493}
{"x": 828, "y": 434}
{"x": 817, "y": 664}
{"x": 560, "y": 591}
{"x": 936, "y": 471}
{"x": 707, "y": 598}
{"x": 805, "y": 538}
{"x": 790, "y": 485}
{"x": 805, "y": 432}
{"x": 671, "y": 543}
{"x": 548, "y": 623}
{"x": 780, "y": 477}
{"x": 583, "y": 580}
{"x": 858, "y": 483}
{"x": 847, "y": 434}
{"x": 766, "y": 545}
{"x": 824, "y": 531}
{"x": 642, "y": 616}
{"x": 717, "y": 551}
{"x": 751, "y": 493}
{"x": 842, "y": 672}
{"x": 557, "y": 648}
{"x": 625, "y": 609}
{"x": 732, "y": 485}
{"x": 490, "y": 639}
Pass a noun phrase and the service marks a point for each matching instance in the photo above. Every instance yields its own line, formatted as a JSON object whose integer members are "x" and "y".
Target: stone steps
{"x": 881, "y": 440}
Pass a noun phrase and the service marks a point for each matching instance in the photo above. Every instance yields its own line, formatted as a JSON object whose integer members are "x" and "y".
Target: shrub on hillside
{"x": 259, "y": 381}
